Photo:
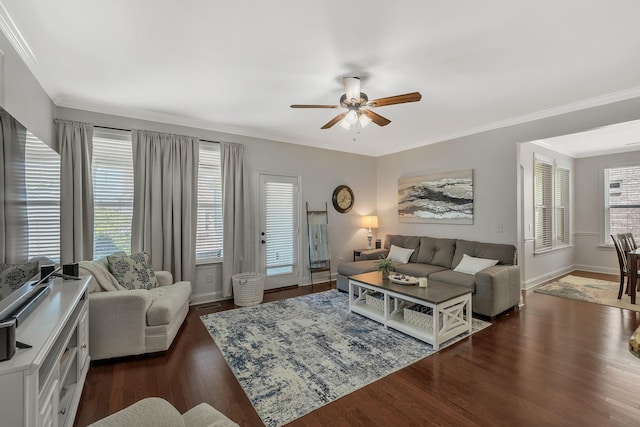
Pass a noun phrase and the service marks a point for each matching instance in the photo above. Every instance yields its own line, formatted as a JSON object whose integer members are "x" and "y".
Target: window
{"x": 42, "y": 179}
{"x": 112, "y": 191}
{"x": 552, "y": 205}
{"x": 622, "y": 201}
{"x": 209, "y": 229}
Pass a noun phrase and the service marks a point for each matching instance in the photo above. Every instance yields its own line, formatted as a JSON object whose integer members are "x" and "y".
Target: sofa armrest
{"x": 374, "y": 254}
{"x": 165, "y": 278}
{"x": 497, "y": 289}
{"x": 117, "y": 322}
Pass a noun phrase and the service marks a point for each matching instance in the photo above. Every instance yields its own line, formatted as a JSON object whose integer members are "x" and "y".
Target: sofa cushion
{"x": 358, "y": 267}
{"x": 454, "y": 278}
{"x": 398, "y": 254}
{"x": 133, "y": 271}
{"x": 167, "y": 302}
{"x": 504, "y": 253}
{"x": 407, "y": 242}
{"x": 436, "y": 251}
{"x": 471, "y": 265}
{"x": 417, "y": 269}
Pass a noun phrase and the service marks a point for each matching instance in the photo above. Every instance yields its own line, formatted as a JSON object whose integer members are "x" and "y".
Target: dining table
{"x": 633, "y": 273}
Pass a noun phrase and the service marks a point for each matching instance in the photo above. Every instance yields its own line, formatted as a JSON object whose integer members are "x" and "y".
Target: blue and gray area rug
{"x": 296, "y": 355}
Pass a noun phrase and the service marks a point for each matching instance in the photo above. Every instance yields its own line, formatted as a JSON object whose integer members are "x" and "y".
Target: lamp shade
{"x": 370, "y": 221}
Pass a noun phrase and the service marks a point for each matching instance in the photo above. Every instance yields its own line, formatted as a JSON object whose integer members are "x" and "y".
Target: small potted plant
{"x": 385, "y": 265}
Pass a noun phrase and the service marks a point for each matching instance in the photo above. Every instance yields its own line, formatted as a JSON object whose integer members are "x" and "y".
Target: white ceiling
{"x": 236, "y": 66}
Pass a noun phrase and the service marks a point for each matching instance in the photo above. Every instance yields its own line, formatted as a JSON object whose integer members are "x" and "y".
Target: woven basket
{"x": 421, "y": 320}
{"x": 248, "y": 288}
{"x": 374, "y": 303}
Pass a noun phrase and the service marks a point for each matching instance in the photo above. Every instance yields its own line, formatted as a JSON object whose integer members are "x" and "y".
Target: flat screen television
{"x": 18, "y": 299}
{"x": 25, "y": 186}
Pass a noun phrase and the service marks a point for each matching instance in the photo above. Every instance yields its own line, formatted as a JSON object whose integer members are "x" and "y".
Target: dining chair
{"x": 623, "y": 263}
{"x": 624, "y": 240}
{"x": 631, "y": 240}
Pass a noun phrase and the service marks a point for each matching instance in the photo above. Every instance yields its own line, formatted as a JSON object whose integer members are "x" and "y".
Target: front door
{"x": 279, "y": 230}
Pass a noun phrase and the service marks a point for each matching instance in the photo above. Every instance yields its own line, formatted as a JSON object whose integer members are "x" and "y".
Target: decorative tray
{"x": 403, "y": 280}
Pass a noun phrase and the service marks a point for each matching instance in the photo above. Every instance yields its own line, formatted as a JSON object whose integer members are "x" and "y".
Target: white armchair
{"x": 131, "y": 322}
{"x": 157, "y": 412}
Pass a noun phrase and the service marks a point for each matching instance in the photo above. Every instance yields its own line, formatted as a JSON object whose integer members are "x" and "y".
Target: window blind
{"x": 209, "y": 233}
{"x": 42, "y": 179}
{"x": 543, "y": 204}
{"x": 622, "y": 195}
{"x": 562, "y": 206}
{"x": 280, "y": 225}
{"x": 112, "y": 191}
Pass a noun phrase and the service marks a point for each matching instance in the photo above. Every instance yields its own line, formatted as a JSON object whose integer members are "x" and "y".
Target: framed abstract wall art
{"x": 445, "y": 198}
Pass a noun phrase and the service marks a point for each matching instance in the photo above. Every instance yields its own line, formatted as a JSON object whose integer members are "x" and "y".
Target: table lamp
{"x": 370, "y": 221}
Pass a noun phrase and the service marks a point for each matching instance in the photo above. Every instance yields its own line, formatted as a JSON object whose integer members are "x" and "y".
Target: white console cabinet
{"x": 41, "y": 386}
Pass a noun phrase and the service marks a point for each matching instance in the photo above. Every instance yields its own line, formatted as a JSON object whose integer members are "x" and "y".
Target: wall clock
{"x": 343, "y": 198}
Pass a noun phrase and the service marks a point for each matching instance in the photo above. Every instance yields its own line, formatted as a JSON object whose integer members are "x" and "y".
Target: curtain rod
{"x": 129, "y": 130}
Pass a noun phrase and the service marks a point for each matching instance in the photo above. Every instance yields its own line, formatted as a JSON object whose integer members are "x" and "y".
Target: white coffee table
{"x": 450, "y": 306}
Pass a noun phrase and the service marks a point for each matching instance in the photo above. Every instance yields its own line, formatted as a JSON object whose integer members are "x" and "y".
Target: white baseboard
{"x": 207, "y": 297}
{"x": 531, "y": 283}
{"x": 597, "y": 269}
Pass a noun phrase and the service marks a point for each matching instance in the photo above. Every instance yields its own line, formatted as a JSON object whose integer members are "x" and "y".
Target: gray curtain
{"x": 234, "y": 213}
{"x": 165, "y": 208}
{"x": 75, "y": 141}
{"x": 13, "y": 191}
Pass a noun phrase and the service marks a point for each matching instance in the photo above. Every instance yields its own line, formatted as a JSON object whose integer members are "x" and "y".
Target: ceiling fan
{"x": 359, "y": 107}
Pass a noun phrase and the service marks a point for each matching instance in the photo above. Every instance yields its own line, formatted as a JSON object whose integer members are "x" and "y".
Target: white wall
{"x": 22, "y": 96}
{"x": 539, "y": 268}
{"x": 591, "y": 252}
{"x": 321, "y": 171}
{"x": 494, "y": 174}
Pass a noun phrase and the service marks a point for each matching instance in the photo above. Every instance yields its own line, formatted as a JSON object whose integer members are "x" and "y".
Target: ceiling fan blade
{"x": 376, "y": 118}
{"x": 333, "y": 121}
{"x": 351, "y": 88}
{"x": 314, "y": 106}
{"x": 398, "y": 99}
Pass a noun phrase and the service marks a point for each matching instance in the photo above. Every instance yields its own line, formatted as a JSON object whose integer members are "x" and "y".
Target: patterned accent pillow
{"x": 14, "y": 275}
{"x": 133, "y": 271}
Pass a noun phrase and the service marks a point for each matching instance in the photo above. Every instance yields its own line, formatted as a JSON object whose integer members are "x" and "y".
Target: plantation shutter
{"x": 562, "y": 205}
{"x": 209, "y": 233}
{"x": 543, "y": 204}
{"x": 280, "y": 227}
{"x": 112, "y": 191}
{"x": 42, "y": 178}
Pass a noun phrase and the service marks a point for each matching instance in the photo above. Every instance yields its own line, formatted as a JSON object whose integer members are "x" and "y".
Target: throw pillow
{"x": 471, "y": 265}
{"x": 398, "y": 254}
{"x": 133, "y": 271}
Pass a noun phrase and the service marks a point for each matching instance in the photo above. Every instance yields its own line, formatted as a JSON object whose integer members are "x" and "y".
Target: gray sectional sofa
{"x": 495, "y": 289}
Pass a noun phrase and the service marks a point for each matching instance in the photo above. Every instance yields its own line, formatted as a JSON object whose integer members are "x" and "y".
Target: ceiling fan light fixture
{"x": 344, "y": 124}
{"x": 351, "y": 117}
{"x": 363, "y": 120}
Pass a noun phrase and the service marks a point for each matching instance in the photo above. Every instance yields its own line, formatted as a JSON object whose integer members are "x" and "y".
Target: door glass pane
{"x": 280, "y": 234}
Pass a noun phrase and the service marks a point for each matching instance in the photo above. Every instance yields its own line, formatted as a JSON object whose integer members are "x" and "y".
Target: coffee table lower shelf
{"x": 450, "y": 318}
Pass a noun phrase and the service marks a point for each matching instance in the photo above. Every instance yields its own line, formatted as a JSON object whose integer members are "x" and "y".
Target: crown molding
{"x": 19, "y": 43}
{"x": 598, "y": 101}
{"x": 163, "y": 118}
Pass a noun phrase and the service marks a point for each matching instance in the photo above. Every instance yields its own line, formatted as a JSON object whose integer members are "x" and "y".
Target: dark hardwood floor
{"x": 553, "y": 362}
